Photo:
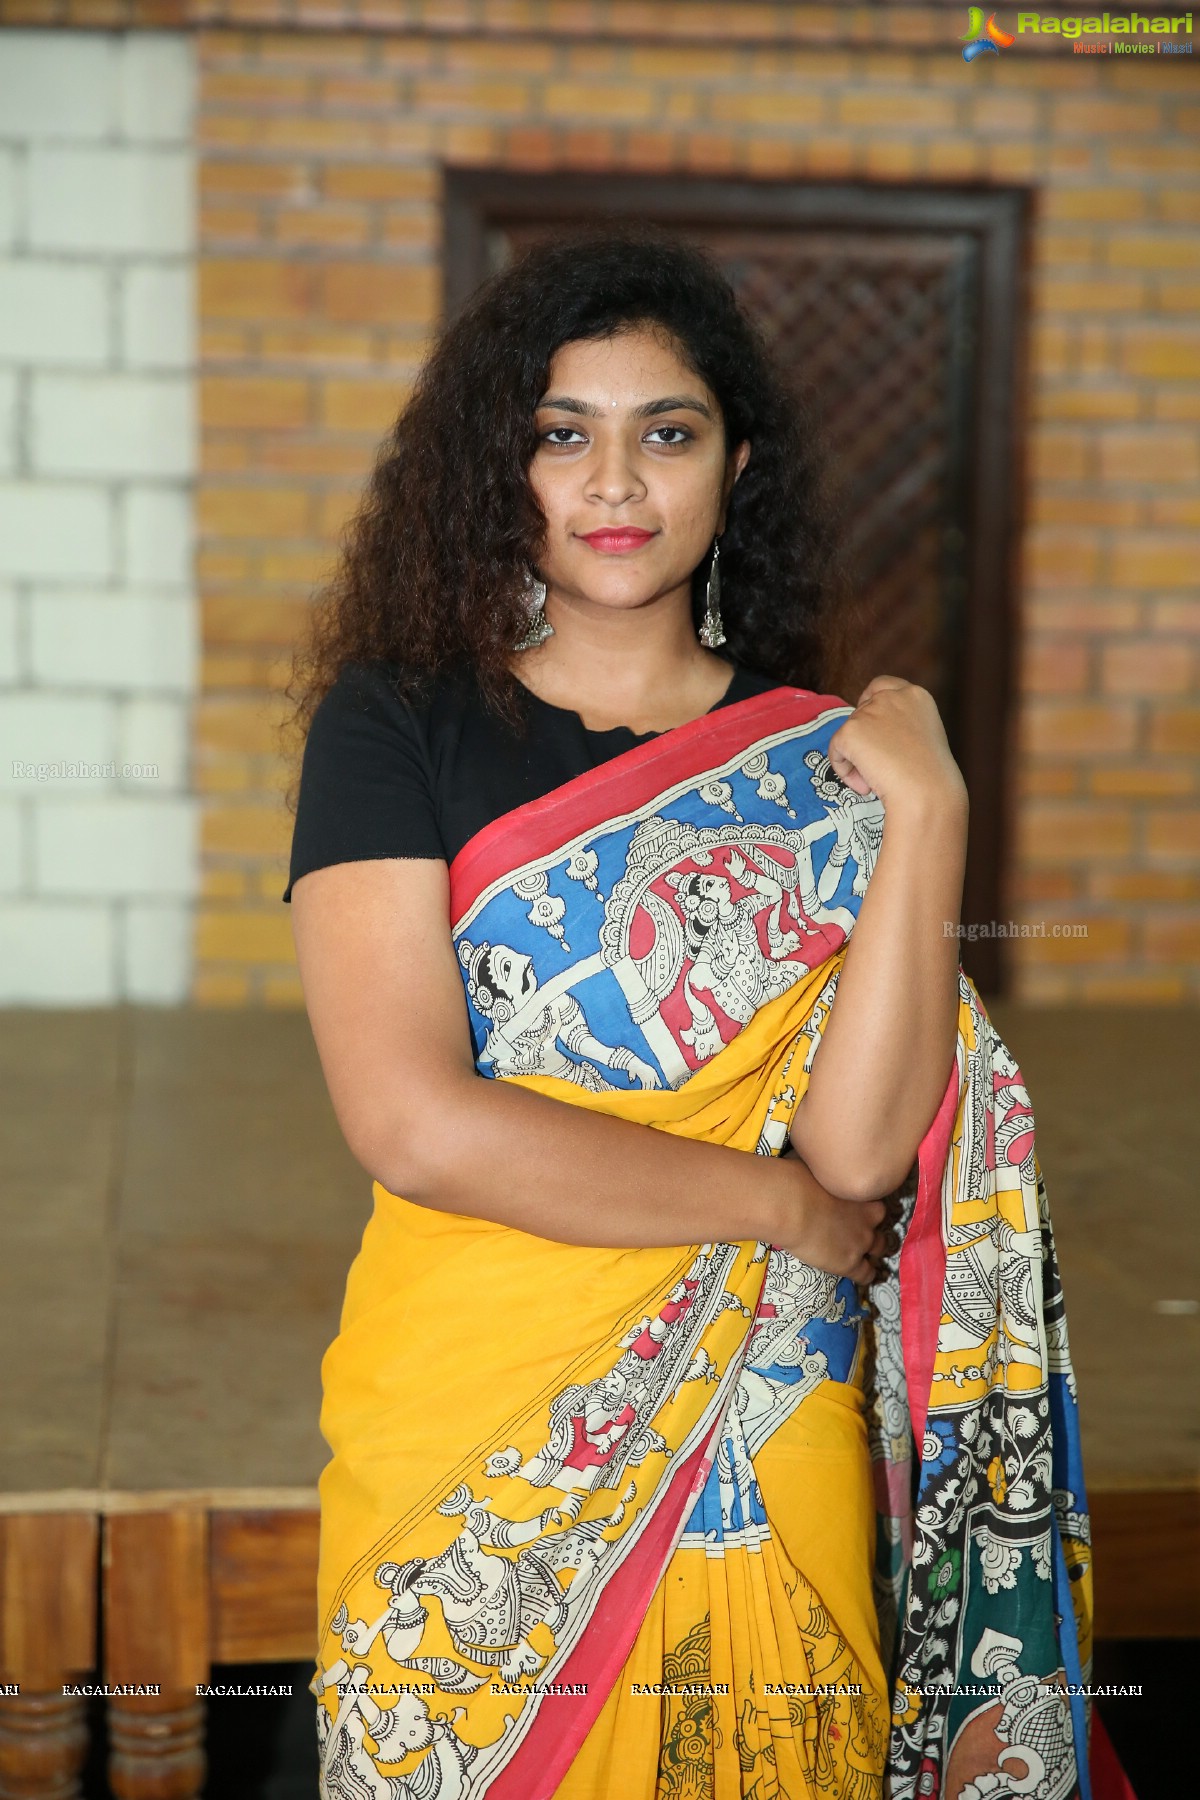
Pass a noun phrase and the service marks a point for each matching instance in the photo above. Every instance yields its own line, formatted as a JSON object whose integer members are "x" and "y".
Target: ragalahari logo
{"x": 984, "y": 37}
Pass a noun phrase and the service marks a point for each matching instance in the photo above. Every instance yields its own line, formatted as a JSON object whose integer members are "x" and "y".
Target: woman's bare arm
{"x": 888, "y": 1046}
{"x": 386, "y": 1003}
{"x": 889, "y": 1043}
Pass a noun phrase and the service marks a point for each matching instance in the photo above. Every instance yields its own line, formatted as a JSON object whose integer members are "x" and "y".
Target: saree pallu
{"x": 703, "y": 1520}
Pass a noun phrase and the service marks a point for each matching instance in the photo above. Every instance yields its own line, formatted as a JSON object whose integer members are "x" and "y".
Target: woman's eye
{"x": 560, "y": 434}
{"x": 681, "y": 433}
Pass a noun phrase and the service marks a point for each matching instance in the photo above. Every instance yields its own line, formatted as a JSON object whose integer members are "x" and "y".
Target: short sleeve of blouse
{"x": 366, "y": 789}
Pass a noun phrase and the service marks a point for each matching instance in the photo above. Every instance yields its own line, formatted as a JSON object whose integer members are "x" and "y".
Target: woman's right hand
{"x": 835, "y": 1234}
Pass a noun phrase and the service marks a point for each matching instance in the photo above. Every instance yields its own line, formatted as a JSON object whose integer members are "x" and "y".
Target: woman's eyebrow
{"x": 650, "y": 409}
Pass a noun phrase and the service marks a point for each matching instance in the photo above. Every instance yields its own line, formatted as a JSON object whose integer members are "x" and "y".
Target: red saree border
{"x": 622, "y": 785}
{"x": 921, "y": 1267}
{"x": 547, "y": 1747}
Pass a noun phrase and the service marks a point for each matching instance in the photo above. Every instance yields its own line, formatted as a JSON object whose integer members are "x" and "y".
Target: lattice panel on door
{"x": 876, "y": 328}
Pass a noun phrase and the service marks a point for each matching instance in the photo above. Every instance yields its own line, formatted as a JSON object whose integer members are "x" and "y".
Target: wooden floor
{"x": 178, "y": 1214}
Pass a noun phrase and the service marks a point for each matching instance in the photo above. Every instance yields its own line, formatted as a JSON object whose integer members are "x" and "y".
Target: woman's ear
{"x": 733, "y": 468}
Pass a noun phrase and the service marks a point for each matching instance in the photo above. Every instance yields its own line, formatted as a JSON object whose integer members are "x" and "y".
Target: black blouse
{"x": 386, "y": 776}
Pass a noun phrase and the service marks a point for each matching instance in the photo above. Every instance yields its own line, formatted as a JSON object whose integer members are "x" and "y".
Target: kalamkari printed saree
{"x": 703, "y": 1521}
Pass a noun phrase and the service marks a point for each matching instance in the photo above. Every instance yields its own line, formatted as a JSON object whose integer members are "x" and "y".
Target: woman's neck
{"x": 646, "y": 674}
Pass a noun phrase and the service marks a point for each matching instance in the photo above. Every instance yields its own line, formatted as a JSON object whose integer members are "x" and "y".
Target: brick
{"x": 256, "y": 288}
{"x": 334, "y": 510}
{"x": 1151, "y": 159}
{"x": 297, "y": 49}
{"x": 1147, "y": 666}
{"x": 60, "y": 955}
{"x": 156, "y": 87}
{"x": 285, "y": 992}
{"x": 1142, "y": 779}
{"x": 827, "y": 155}
{"x": 336, "y": 225}
{"x": 1175, "y": 615}
{"x": 1106, "y": 118}
{"x": 1109, "y": 616}
{"x": 1175, "y": 730}
{"x": 1048, "y": 507}
{"x": 379, "y": 293}
{"x": 1055, "y": 666}
{"x": 1157, "y": 560}
{"x": 379, "y": 181}
{"x": 53, "y": 312}
{"x": 253, "y": 512}
{"x": 60, "y": 87}
{"x": 1061, "y": 728}
{"x": 224, "y": 225}
{"x": 605, "y": 100}
{"x": 1174, "y": 937}
{"x": 1154, "y": 250}
{"x": 1149, "y": 455}
{"x": 157, "y": 534}
{"x": 260, "y": 180}
{"x": 55, "y": 530}
{"x": 1144, "y": 884}
{"x": 1106, "y": 939}
{"x": 441, "y": 94}
{"x": 251, "y": 725}
{"x": 249, "y": 90}
{"x": 1089, "y": 294}
{"x": 692, "y": 63}
{"x": 1174, "y": 832}
{"x": 1177, "y": 403}
{"x": 315, "y": 345}
{"x": 1131, "y": 990}
{"x": 404, "y": 228}
{"x": 295, "y": 455}
{"x": 1105, "y": 204}
{"x": 242, "y": 934}
{"x": 492, "y": 56}
{"x": 234, "y": 620}
{"x": 1179, "y": 296}
{"x": 113, "y": 425}
{"x": 361, "y": 406}
{"x": 256, "y": 403}
{"x": 912, "y": 111}
{"x": 1178, "y": 206}
{"x": 1012, "y": 162}
{"x": 1058, "y": 453}
{"x": 1058, "y": 558}
{"x": 157, "y": 322}
{"x": 90, "y": 638}
{"x": 1047, "y": 781}
{"x": 1097, "y": 401}
{"x": 954, "y": 158}
{"x": 211, "y": 988}
{"x": 112, "y": 199}
{"x": 890, "y": 161}
{"x": 119, "y": 844}
{"x": 759, "y": 106}
{"x": 1170, "y": 351}
{"x": 531, "y": 147}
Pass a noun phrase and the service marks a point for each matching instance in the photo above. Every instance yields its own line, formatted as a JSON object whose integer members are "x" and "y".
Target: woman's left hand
{"x": 894, "y": 745}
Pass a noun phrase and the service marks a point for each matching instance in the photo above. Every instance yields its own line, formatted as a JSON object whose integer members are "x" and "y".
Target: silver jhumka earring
{"x": 712, "y": 632}
{"x": 539, "y": 627}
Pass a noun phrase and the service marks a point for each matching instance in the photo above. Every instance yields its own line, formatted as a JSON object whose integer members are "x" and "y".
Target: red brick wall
{"x": 321, "y": 159}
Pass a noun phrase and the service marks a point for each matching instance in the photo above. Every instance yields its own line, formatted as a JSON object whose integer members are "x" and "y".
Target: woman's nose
{"x": 612, "y": 476}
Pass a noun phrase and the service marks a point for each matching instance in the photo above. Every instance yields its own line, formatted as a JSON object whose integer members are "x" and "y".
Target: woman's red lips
{"x": 618, "y": 537}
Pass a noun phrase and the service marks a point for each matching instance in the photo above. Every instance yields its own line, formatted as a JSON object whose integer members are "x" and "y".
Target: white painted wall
{"x": 98, "y": 625}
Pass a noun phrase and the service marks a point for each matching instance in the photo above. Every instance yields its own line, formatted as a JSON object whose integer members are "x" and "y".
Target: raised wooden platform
{"x": 178, "y": 1213}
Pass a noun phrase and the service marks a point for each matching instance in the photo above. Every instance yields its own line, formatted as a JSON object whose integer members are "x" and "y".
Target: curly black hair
{"x": 434, "y": 561}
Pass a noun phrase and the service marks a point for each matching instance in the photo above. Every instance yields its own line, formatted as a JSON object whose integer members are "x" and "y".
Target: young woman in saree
{"x": 667, "y": 1459}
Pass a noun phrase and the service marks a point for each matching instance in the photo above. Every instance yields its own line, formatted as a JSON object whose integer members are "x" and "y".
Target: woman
{"x": 620, "y": 1501}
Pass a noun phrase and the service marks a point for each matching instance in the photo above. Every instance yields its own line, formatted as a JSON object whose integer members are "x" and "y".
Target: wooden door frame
{"x": 477, "y": 200}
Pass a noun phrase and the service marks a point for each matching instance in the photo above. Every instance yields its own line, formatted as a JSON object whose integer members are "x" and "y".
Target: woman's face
{"x": 631, "y": 470}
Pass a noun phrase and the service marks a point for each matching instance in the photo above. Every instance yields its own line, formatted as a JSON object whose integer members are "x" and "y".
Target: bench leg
{"x": 156, "y": 1635}
{"x": 47, "y": 1640}
{"x": 156, "y": 1747}
{"x": 43, "y": 1746}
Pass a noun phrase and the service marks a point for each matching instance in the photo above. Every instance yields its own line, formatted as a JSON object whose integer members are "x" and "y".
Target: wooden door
{"x": 896, "y": 310}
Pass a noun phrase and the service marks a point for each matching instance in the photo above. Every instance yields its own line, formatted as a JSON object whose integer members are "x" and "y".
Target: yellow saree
{"x": 639, "y": 1523}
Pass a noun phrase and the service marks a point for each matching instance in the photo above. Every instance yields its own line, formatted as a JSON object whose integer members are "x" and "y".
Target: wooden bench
{"x": 178, "y": 1216}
